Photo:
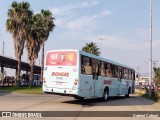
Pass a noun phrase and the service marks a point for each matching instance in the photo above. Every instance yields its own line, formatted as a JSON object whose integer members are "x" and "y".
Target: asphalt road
{"x": 50, "y": 102}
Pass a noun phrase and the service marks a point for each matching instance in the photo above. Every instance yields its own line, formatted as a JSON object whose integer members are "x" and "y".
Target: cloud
{"x": 105, "y": 13}
{"x": 65, "y": 10}
{"x": 70, "y": 18}
{"x": 155, "y": 44}
{"x": 81, "y": 22}
{"x": 117, "y": 42}
{"x": 109, "y": 41}
{"x": 142, "y": 32}
{"x": 73, "y": 22}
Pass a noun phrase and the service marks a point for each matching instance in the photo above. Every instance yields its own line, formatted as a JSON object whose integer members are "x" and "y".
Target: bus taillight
{"x": 76, "y": 82}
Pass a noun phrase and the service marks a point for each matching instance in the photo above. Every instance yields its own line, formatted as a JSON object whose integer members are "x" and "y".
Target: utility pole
{"x": 101, "y": 39}
{"x": 150, "y": 60}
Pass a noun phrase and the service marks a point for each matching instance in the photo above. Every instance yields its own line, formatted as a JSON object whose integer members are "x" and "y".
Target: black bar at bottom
{"x": 79, "y": 113}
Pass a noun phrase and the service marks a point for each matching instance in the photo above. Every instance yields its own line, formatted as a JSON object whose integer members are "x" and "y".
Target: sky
{"x": 123, "y": 25}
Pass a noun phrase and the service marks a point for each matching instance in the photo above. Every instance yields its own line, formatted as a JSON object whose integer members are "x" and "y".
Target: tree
{"x": 34, "y": 26}
{"x": 157, "y": 76}
{"x": 91, "y": 48}
{"x": 16, "y": 25}
{"x": 48, "y": 26}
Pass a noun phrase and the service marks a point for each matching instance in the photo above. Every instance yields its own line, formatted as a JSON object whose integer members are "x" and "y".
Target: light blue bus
{"x": 84, "y": 75}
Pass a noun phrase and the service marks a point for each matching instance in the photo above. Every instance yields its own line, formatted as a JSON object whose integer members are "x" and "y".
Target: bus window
{"x": 119, "y": 74}
{"x": 86, "y": 65}
{"x": 95, "y": 71}
{"x": 102, "y": 69}
{"x": 108, "y": 70}
{"x": 95, "y": 68}
{"x": 130, "y": 74}
{"x": 125, "y": 73}
{"x": 133, "y": 75}
{"x": 114, "y": 70}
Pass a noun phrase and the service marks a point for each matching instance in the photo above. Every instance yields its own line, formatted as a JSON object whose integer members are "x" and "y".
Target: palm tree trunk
{"x": 42, "y": 61}
{"x": 32, "y": 71}
{"x": 18, "y": 83}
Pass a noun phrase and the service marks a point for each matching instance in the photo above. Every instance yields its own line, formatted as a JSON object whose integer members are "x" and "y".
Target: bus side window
{"x": 133, "y": 75}
{"x": 119, "y": 74}
{"x": 114, "y": 71}
{"x": 130, "y": 75}
{"x": 126, "y": 73}
{"x": 95, "y": 71}
{"x": 102, "y": 69}
{"x": 86, "y": 65}
{"x": 95, "y": 68}
{"x": 117, "y": 71}
{"x": 108, "y": 70}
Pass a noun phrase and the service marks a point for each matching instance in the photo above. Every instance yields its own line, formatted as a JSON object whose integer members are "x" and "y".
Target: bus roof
{"x": 63, "y": 50}
{"x": 104, "y": 59}
{"x": 94, "y": 56}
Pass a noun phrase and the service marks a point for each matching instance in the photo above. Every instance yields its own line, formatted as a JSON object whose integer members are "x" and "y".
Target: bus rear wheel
{"x": 105, "y": 95}
{"x": 79, "y": 98}
{"x": 127, "y": 96}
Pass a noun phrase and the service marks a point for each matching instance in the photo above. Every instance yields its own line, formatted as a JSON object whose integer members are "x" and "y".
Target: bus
{"x": 83, "y": 75}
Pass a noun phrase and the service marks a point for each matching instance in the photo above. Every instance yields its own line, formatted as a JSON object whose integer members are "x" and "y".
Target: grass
{"x": 22, "y": 90}
{"x": 154, "y": 96}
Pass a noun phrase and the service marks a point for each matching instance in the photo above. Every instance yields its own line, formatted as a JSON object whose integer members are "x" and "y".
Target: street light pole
{"x": 150, "y": 60}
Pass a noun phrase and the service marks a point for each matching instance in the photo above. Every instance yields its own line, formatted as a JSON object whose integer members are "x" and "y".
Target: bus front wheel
{"x": 105, "y": 95}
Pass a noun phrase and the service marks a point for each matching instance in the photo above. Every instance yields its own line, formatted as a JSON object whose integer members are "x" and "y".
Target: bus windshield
{"x": 61, "y": 58}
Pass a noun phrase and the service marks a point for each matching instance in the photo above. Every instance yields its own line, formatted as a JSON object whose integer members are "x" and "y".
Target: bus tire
{"x": 105, "y": 95}
{"x": 127, "y": 96}
{"x": 79, "y": 98}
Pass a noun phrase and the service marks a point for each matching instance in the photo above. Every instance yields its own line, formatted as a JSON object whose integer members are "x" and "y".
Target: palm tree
{"x": 91, "y": 48}
{"x": 48, "y": 26}
{"x": 33, "y": 40}
{"x": 16, "y": 25}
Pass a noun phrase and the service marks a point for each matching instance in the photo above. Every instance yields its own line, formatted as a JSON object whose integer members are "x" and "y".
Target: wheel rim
{"x": 105, "y": 95}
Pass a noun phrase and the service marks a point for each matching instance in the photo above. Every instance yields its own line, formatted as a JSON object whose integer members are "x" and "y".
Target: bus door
{"x": 95, "y": 72}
